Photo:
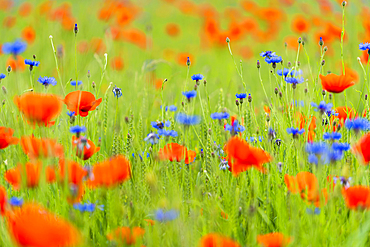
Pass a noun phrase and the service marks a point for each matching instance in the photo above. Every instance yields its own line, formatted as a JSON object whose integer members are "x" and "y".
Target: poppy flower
{"x": 39, "y": 108}
{"x": 3, "y": 200}
{"x": 110, "y": 172}
{"x": 174, "y": 151}
{"x": 98, "y": 46}
{"x": 357, "y": 196}
{"x": 36, "y": 148}
{"x": 9, "y": 21}
{"x": 16, "y": 63}
{"x": 32, "y": 225}
{"x": 29, "y": 34}
{"x": 135, "y": 37}
{"x": 126, "y": 235}
{"x": 88, "y": 147}
{"x": 216, "y": 240}
{"x": 362, "y": 148}
{"x": 76, "y": 173}
{"x": 25, "y": 9}
{"x": 117, "y": 63}
{"x": 300, "y": 24}
{"x": 81, "y": 102}
{"x": 241, "y": 156}
{"x": 30, "y": 172}
{"x": 172, "y": 29}
{"x": 275, "y": 239}
{"x": 336, "y": 83}
{"x": 6, "y": 137}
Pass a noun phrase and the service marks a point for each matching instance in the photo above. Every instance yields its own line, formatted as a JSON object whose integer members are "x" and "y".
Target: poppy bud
{"x": 267, "y": 118}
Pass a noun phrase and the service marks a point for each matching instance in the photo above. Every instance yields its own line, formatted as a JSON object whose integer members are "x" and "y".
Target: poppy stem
{"x": 56, "y": 63}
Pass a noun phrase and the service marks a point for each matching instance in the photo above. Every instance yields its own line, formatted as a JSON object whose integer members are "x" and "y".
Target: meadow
{"x": 184, "y": 123}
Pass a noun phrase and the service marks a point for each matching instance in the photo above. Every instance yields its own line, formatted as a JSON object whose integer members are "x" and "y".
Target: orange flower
{"x": 116, "y": 63}
{"x": 25, "y": 9}
{"x": 357, "y": 196}
{"x": 307, "y": 185}
{"x": 135, "y": 36}
{"x": 172, "y": 29}
{"x": 36, "y": 148}
{"x": 216, "y": 240}
{"x": 126, "y": 235}
{"x": 300, "y": 24}
{"x": 39, "y": 108}
{"x": 9, "y": 21}
{"x": 83, "y": 101}
{"x": 336, "y": 83}
{"x": 343, "y": 113}
{"x": 32, "y": 225}
{"x": 241, "y": 156}
{"x": 76, "y": 173}
{"x": 17, "y": 63}
{"x": 3, "y": 200}
{"x": 98, "y": 46}
{"x": 6, "y": 137}
{"x": 183, "y": 57}
{"x": 29, "y": 34}
{"x": 362, "y": 148}
{"x": 83, "y": 47}
{"x": 275, "y": 239}
{"x": 110, "y": 172}
{"x": 150, "y": 222}
{"x": 31, "y": 174}
{"x": 89, "y": 148}
{"x": 174, "y": 151}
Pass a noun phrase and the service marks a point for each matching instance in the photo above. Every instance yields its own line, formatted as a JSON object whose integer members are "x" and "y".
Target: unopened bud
{"x": 9, "y": 69}
{"x": 258, "y": 64}
{"x": 344, "y": 3}
{"x": 276, "y": 90}
{"x": 237, "y": 102}
{"x": 227, "y": 39}
{"x": 325, "y": 48}
{"x": 75, "y": 30}
{"x": 323, "y": 92}
{"x": 249, "y": 98}
{"x": 323, "y": 62}
{"x": 205, "y": 82}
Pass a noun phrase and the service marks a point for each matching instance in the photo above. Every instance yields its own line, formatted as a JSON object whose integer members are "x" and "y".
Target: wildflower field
{"x": 184, "y": 123}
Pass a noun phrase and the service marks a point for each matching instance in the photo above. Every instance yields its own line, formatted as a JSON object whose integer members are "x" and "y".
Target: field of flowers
{"x": 184, "y": 123}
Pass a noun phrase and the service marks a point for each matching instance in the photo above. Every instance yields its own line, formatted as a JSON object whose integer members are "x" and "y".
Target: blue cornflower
{"x": 357, "y": 124}
{"x": 190, "y": 94}
{"x": 294, "y": 131}
{"x": 317, "y": 211}
{"x": 235, "y": 128}
{"x": 267, "y": 54}
{"x": 77, "y": 129}
{"x": 172, "y": 108}
{"x": 31, "y": 63}
{"x": 273, "y": 59}
{"x": 252, "y": 139}
{"x": 293, "y": 80}
{"x": 332, "y": 112}
{"x": 224, "y": 165}
{"x": 260, "y": 138}
{"x": 116, "y": 91}
{"x": 73, "y": 83}
{"x": 220, "y": 115}
{"x": 15, "y": 48}
{"x": 345, "y": 182}
{"x": 2, "y": 76}
{"x": 164, "y": 216}
{"x": 332, "y": 136}
{"x": 316, "y": 148}
{"x": 241, "y": 95}
{"x": 271, "y": 134}
{"x": 152, "y": 138}
{"x": 341, "y": 146}
{"x": 182, "y": 118}
{"x": 46, "y": 81}
{"x": 284, "y": 72}
{"x": 332, "y": 156}
{"x": 313, "y": 159}
{"x": 16, "y": 201}
{"x": 364, "y": 46}
{"x": 160, "y": 125}
{"x": 70, "y": 113}
{"x": 197, "y": 77}
{"x": 163, "y": 132}
{"x": 322, "y": 107}
{"x": 87, "y": 207}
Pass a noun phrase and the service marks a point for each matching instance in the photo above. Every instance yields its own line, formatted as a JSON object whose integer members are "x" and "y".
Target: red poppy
{"x": 217, "y": 240}
{"x": 98, "y": 46}
{"x": 136, "y": 37}
{"x": 36, "y": 148}
{"x": 174, "y": 151}
{"x": 117, "y": 63}
{"x": 172, "y": 29}
{"x": 300, "y": 24}
{"x": 3, "y": 200}
{"x": 6, "y": 137}
{"x": 39, "y": 108}
{"x": 30, "y": 172}
{"x": 241, "y": 156}
{"x": 9, "y": 21}
{"x": 110, "y": 172}
{"x": 81, "y": 102}
{"x": 29, "y": 34}
{"x": 150, "y": 222}
{"x": 17, "y": 63}
{"x": 76, "y": 173}
{"x": 25, "y": 9}
{"x": 89, "y": 148}
{"x": 362, "y": 148}
{"x": 32, "y": 225}
{"x": 357, "y": 197}
{"x": 126, "y": 235}
{"x": 336, "y": 83}
{"x": 275, "y": 239}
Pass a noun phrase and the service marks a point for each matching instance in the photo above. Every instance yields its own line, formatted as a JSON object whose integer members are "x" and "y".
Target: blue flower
{"x": 190, "y": 94}
{"x": 332, "y": 156}
{"x": 152, "y": 138}
{"x": 241, "y": 95}
{"x": 87, "y": 207}
{"x": 294, "y": 131}
{"x": 220, "y": 115}
{"x": 284, "y": 72}
{"x": 2, "y": 76}
{"x": 197, "y": 77}
{"x": 332, "y": 136}
{"x": 322, "y": 107}
{"x": 70, "y": 113}
{"x": 316, "y": 211}
{"x": 235, "y": 128}
{"x": 16, "y": 201}
{"x": 172, "y": 108}
{"x": 332, "y": 112}
{"x": 73, "y": 83}
{"x": 160, "y": 125}
{"x": 182, "y": 118}
{"x": 77, "y": 129}
{"x": 271, "y": 134}
{"x": 357, "y": 124}
{"x": 293, "y": 80}
{"x": 163, "y": 132}
{"x": 31, "y": 63}
{"x": 341, "y": 146}
{"x": 46, "y": 81}
{"x": 164, "y": 216}
{"x": 316, "y": 148}
{"x": 273, "y": 59}
{"x": 364, "y": 46}
{"x": 313, "y": 159}
{"x": 224, "y": 165}
{"x": 116, "y": 91}
{"x": 15, "y": 48}
{"x": 267, "y": 54}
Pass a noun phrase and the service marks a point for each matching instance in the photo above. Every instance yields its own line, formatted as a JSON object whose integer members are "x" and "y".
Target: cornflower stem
{"x": 237, "y": 70}
{"x": 201, "y": 106}
{"x": 76, "y": 58}
{"x": 103, "y": 73}
{"x": 162, "y": 99}
{"x": 187, "y": 77}
{"x": 365, "y": 83}
{"x": 56, "y": 63}
{"x": 31, "y": 79}
{"x": 341, "y": 41}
